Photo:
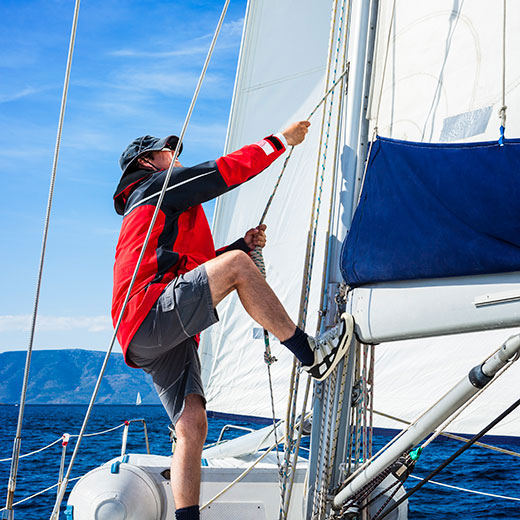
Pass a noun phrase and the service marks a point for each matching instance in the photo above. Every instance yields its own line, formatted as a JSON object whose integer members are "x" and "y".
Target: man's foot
{"x": 330, "y": 348}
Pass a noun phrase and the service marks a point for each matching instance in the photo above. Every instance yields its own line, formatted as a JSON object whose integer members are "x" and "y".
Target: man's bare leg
{"x": 234, "y": 270}
{"x": 191, "y": 430}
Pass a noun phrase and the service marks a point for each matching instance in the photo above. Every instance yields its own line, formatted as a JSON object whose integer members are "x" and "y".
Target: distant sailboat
{"x": 138, "y": 399}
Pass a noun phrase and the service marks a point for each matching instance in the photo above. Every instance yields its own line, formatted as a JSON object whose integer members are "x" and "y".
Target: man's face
{"x": 161, "y": 159}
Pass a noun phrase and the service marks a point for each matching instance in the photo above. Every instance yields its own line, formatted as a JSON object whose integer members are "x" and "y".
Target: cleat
{"x": 330, "y": 348}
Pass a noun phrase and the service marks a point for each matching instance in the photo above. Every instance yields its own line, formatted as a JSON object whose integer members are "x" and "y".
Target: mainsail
{"x": 437, "y": 77}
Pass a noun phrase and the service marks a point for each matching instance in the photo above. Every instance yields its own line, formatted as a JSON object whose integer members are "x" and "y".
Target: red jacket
{"x": 181, "y": 238}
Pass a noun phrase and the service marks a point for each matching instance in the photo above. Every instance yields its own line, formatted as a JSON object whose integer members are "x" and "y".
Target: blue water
{"x": 477, "y": 469}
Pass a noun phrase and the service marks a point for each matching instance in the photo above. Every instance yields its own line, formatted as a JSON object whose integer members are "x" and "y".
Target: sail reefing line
{"x": 503, "y": 109}
{"x": 17, "y": 440}
{"x": 61, "y": 492}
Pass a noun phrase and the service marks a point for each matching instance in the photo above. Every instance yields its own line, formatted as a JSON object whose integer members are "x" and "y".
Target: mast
{"x": 352, "y": 147}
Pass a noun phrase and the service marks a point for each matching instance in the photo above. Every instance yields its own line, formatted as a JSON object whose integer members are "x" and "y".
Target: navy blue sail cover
{"x": 435, "y": 210}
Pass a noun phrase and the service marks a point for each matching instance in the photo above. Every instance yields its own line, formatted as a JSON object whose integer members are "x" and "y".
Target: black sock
{"x": 187, "y": 513}
{"x": 299, "y": 346}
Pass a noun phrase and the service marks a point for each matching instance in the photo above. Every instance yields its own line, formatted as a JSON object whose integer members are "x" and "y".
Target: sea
{"x": 478, "y": 469}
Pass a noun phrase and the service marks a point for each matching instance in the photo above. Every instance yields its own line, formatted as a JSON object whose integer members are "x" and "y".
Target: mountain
{"x": 69, "y": 377}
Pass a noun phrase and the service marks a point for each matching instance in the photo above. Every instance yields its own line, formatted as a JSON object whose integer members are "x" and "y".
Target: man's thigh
{"x": 183, "y": 310}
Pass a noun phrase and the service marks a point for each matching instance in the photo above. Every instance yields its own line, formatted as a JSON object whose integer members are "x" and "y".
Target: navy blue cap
{"x": 142, "y": 145}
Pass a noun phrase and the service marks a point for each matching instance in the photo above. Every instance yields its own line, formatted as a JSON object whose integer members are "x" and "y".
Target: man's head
{"x": 149, "y": 153}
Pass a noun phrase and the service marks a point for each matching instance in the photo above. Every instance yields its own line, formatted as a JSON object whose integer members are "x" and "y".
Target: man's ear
{"x": 144, "y": 164}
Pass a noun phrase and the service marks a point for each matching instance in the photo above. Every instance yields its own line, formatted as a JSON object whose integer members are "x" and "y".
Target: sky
{"x": 134, "y": 71}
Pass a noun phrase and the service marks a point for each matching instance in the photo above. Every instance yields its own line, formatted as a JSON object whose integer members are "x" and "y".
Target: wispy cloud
{"x": 13, "y": 96}
{"x": 132, "y": 53}
{"x": 55, "y": 323}
{"x": 230, "y": 32}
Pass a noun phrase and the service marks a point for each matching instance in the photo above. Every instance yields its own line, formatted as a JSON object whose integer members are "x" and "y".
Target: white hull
{"x": 140, "y": 489}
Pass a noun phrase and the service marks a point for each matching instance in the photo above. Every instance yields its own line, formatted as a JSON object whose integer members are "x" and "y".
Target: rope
{"x": 444, "y": 425}
{"x": 143, "y": 249}
{"x": 18, "y": 437}
{"x": 455, "y": 437}
{"x": 467, "y": 490}
{"x": 284, "y": 167}
{"x": 26, "y": 499}
{"x": 462, "y": 408}
{"x": 245, "y": 472}
{"x": 502, "y": 111}
{"x": 461, "y": 450}
{"x": 34, "y": 452}
{"x": 258, "y": 259}
{"x": 297, "y": 447}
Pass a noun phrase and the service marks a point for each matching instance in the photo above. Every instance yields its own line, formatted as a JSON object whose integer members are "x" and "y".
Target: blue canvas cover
{"x": 435, "y": 210}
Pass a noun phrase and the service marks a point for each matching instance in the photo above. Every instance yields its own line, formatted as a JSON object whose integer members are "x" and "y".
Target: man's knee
{"x": 239, "y": 263}
{"x": 192, "y": 425}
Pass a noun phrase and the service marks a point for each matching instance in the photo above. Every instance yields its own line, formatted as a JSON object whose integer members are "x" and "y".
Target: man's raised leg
{"x": 236, "y": 271}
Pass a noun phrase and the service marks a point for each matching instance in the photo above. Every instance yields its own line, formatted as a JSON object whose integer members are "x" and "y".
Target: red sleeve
{"x": 238, "y": 167}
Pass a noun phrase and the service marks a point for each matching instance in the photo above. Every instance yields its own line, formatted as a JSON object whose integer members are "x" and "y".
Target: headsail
{"x": 285, "y": 84}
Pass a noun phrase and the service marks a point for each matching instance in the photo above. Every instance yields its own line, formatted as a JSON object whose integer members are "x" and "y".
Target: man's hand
{"x": 255, "y": 237}
{"x": 295, "y": 133}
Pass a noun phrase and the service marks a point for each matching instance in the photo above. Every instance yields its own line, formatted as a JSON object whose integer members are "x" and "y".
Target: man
{"x": 182, "y": 279}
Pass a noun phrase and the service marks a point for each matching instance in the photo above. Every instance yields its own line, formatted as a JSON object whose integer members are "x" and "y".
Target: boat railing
{"x": 125, "y": 435}
{"x": 227, "y": 427}
{"x": 65, "y": 440}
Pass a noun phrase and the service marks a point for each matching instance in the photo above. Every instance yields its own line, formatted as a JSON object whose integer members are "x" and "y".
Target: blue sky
{"x": 134, "y": 70}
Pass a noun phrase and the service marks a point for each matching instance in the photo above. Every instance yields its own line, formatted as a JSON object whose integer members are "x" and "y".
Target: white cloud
{"x": 28, "y": 91}
{"x": 132, "y": 53}
{"x": 229, "y": 38}
{"x": 22, "y": 322}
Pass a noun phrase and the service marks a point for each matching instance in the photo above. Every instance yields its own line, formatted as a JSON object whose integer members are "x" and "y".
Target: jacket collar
{"x": 126, "y": 185}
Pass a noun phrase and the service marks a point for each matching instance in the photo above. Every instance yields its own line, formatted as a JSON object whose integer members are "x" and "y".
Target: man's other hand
{"x": 295, "y": 133}
{"x": 255, "y": 237}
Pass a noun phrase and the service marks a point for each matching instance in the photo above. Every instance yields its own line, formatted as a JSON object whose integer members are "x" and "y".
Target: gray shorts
{"x": 164, "y": 347}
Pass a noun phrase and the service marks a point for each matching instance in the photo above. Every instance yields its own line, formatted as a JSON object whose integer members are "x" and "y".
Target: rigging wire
{"x": 152, "y": 222}
{"x": 18, "y": 437}
{"x": 454, "y": 437}
{"x": 422, "y": 414}
{"x": 457, "y": 488}
{"x": 450, "y": 459}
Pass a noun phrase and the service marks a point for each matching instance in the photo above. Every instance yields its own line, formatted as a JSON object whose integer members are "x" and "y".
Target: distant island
{"x": 69, "y": 376}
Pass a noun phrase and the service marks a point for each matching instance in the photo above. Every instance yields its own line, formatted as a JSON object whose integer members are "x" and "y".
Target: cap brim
{"x": 170, "y": 140}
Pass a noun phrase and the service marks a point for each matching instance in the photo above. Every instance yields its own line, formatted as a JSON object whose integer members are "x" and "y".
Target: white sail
{"x": 280, "y": 79}
{"x": 443, "y": 82}
{"x": 443, "y": 79}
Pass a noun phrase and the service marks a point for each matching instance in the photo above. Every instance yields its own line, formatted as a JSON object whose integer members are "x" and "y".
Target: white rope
{"x": 61, "y": 438}
{"x": 467, "y": 490}
{"x": 18, "y": 437}
{"x": 63, "y": 487}
{"x": 100, "y": 433}
{"x": 33, "y": 452}
{"x": 247, "y": 470}
{"x": 38, "y": 494}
